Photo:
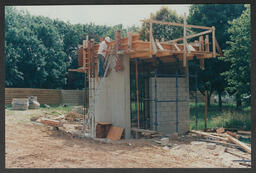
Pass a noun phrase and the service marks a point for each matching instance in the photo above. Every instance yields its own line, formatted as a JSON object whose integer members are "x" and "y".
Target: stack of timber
{"x": 146, "y": 133}
{"x": 20, "y": 104}
{"x": 224, "y": 137}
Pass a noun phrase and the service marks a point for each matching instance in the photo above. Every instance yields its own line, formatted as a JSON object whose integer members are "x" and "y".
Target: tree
{"x": 216, "y": 15}
{"x": 238, "y": 54}
{"x": 34, "y": 52}
{"x": 163, "y": 31}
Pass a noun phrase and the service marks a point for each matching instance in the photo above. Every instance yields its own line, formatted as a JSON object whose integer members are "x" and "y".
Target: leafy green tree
{"x": 238, "y": 54}
{"x": 34, "y": 52}
{"x": 216, "y": 15}
{"x": 163, "y": 31}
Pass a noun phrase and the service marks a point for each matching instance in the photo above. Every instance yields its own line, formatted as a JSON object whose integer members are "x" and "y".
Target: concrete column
{"x": 113, "y": 104}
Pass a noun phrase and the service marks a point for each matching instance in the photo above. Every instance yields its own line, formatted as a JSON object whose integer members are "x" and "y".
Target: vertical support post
{"x": 137, "y": 94}
{"x": 196, "y": 80}
{"x": 213, "y": 42}
{"x": 156, "y": 101}
{"x": 177, "y": 95}
{"x": 185, "y": 42}
{"x": 129, "y": 40}
{"x": 150, "y": 35}
{"x": 205, "y": 110}
{"x": 207, "y": 48}
{"x": 201, "y": 48}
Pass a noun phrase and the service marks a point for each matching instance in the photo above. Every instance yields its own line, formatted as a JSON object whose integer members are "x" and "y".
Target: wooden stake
{"x": 207, "y": 48}
{"x": 205, "y": 110}
{"x": 129, "y": 40}
{"x": 201, "y": 40}
{"x": 191, "y": 36}
{"x": 185, "y": 42}
{"x": 137, "y": 94}
{"x": 150, "y": 36}
{"x": 213, "y": 42}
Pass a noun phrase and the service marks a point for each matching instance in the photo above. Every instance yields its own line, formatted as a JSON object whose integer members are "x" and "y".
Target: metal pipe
{"x": 137, "y": 94}
{"x": 166, "y": 100}
{"x": 177, "y": 94}
{"x": 196, "y": 100}
{"x": 155, "y": 123}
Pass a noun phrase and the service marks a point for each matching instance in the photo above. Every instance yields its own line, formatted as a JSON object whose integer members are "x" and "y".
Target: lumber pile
{"x": 224, "y": 136}
{"x": 146, "y": 133}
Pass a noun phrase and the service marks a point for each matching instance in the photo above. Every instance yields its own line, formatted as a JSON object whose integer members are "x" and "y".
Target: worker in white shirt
{"x": 102, "y": 51}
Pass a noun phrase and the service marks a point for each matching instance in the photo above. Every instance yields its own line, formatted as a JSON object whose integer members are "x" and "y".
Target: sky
{"x": 110, "y": 15}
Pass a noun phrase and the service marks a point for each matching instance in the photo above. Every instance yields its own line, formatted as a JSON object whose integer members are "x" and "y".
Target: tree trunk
{"x": 238, "y": 102}
{"x": 209, "y": 99}
{"x": 220, "y": 101}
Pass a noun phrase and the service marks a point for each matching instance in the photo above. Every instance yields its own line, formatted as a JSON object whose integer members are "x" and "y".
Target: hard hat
{"x": 107, "y": 39}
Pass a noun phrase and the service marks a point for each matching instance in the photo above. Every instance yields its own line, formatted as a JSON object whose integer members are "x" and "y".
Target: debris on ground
{"x": 35, "y": 118}
{"x": 73, "y": 116}
{"x": 46, "y": 106}
{"x": 51, "y": 122}
{"x": 164, "y": 141}
{"x": 139, "y": 133}
{"x": 220, "y": 130}
{"x": 79, "y": 109}
{"x": 228, "y": 137}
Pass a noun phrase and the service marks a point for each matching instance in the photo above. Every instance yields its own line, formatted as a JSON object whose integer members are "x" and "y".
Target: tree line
{"x": 39, "y": 50}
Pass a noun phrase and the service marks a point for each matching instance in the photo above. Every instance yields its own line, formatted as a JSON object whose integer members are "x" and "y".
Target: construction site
{"x": 136, "y": 115}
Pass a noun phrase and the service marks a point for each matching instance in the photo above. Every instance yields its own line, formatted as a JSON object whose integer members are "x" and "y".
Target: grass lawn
{"x": 230, "y": 117}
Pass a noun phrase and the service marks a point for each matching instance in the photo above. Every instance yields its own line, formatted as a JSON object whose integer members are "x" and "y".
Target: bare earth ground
{"x": 31, "y": 145}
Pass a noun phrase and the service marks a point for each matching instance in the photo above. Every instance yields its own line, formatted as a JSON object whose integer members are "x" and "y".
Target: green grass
{"x": 52, "y": 108}
{"x": 229, "y": 117}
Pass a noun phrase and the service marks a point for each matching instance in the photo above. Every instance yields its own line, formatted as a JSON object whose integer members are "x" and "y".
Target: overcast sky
{"x": 127, "y": 15}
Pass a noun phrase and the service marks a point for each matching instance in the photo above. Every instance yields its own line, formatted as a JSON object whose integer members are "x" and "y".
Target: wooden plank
{"x": 209, "y": 135}
{"x": 207, "y": 48}
{"x": 115, "y": 133}
{"x": 175, "y": 24}
{"x": 213, "y": 42}
{"x": 176, "y": 46}
{"x": 185, "y": 42}
{"x": 150, "y": 36}
{"x": 239, "y": 143}
{"x": 129, "y": 40}
{"x": 232, "y": 134}
{"x": 220, "y": 130}
{"x": 190, "y": 36}
{"x": 144, "y": 130}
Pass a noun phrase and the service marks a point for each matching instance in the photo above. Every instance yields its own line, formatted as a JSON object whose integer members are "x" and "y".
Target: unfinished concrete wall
{"x": 166, "y": 111}
{"x": 113, "y": 104}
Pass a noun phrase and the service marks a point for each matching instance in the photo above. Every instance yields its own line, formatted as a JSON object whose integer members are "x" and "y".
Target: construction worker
{"x": 102, "y": 52}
